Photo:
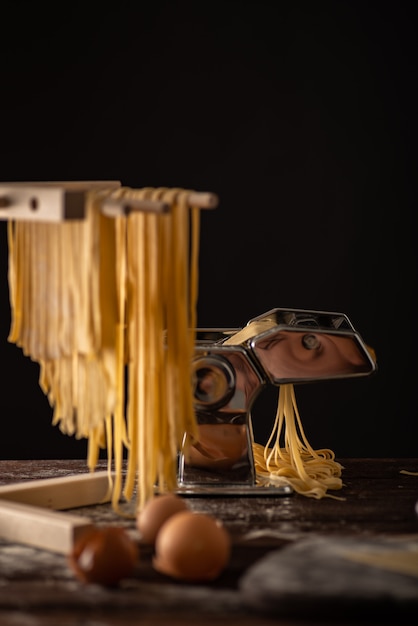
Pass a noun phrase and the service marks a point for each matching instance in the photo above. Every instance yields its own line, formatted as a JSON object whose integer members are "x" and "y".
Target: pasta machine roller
{"x": 232, "y": 366}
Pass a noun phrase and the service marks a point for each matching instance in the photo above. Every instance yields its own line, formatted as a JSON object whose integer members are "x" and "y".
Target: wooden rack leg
{"x": 26, "y": 514}
{"x": 41, "y": 528}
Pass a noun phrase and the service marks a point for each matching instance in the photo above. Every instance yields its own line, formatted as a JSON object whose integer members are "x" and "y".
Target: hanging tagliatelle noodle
{"x": 57, "y": 317}
{"x": 161, "y": 318}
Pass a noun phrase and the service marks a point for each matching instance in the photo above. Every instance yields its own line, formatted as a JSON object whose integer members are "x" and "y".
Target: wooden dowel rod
{"x": 113, "y": 207}
{"x": 123, "y": 206}
{"x": 203, "y": 200}
{"x": 61, "y": 201}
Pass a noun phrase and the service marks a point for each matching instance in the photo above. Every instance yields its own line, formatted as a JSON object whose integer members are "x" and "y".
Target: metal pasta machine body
{"x": 232, "y": 366}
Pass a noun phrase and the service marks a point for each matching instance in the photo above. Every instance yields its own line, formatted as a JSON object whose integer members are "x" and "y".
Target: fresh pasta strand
{"x": 289, "y": 459}
{"x": 63, "y": 291}
{"x": 118, "y": 425}
{"x": 78, "y": 373}
{"x": 161, "y": 311}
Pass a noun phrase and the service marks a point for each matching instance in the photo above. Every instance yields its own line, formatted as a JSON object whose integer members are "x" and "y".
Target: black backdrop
{"x": 301, "y": 116}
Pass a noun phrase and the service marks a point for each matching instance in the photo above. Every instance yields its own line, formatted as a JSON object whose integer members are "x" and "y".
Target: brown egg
{"x": 104, "y": 556}
{"x": 157, "y": 511}
{"x": 193, "y": 547}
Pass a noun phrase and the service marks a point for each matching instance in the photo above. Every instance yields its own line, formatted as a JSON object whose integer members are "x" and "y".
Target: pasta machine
{"x": 230, "y": 369}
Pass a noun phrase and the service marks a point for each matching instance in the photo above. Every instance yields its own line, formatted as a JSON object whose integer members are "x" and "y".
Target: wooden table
{"x": 37, "y": 586}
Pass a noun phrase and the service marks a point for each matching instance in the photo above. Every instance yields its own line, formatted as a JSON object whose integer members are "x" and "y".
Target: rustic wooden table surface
{"x": 306, "y": 581}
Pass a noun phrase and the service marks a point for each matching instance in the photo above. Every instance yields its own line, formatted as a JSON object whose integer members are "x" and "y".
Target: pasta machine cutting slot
{"x": 230, "y": 369}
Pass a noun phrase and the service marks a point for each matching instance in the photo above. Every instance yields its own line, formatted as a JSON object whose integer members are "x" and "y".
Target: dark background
{"x": 301, "y": 116}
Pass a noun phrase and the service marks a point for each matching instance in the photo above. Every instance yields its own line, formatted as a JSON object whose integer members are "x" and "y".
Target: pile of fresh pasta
{"x": 107, "y": 307}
